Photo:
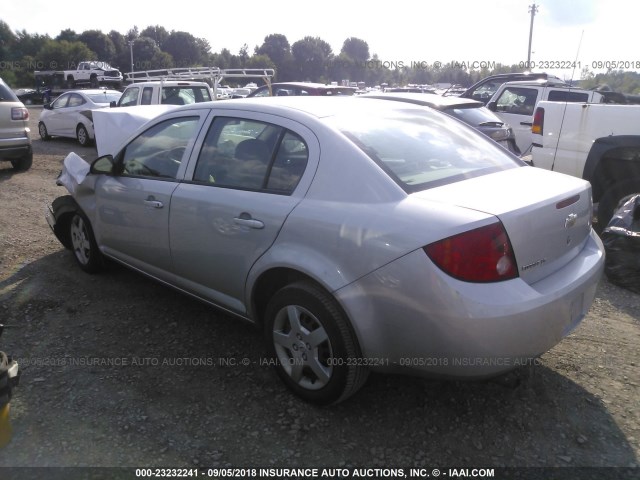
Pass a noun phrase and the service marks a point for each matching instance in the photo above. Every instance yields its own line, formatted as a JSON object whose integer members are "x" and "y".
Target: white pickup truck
{"x": 93, "y": 73}
{"x": 514, "y": 103}
{"x": 597, "y": 142}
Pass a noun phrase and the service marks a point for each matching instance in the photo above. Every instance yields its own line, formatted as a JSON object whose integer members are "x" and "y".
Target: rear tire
{"x": 23, "y": 164}
{"x": 312, "y": 344}
{"x": 612, "y": 197}
{"x": 83, "y": 243}
{"x": 83, "y": 136}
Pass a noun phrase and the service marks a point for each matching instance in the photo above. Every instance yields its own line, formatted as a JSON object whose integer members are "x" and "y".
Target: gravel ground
{"x": 186, "y": 385}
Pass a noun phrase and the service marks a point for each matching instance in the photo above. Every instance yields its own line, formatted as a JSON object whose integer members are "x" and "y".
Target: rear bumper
{"x": 15, "y": 147}
{"x": 412, "y": 318}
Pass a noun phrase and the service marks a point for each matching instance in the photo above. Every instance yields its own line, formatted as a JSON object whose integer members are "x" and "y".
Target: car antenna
{"x": 566, "y": 102}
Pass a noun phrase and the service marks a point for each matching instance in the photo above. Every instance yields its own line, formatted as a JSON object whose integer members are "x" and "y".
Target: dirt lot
{"x": 188, "y": 388}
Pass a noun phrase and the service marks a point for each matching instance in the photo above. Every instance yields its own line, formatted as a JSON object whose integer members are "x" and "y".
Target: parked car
{"x": 15, "y": 143}
{"x": 295, "y": 89}
{"x": 485, "y": 88}
{"x": 70, "y": 115}
{"x": 358, "y": 235}
{"x": 240, "y": 92}
{"x": 30, "y": 96}
{"x": 164, "y": 92}
{"x": 471, "y": 112}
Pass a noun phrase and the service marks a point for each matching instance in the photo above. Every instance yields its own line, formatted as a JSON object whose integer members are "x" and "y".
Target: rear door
{"x": 515, "y": 106}
{"x": 246, "y": 176}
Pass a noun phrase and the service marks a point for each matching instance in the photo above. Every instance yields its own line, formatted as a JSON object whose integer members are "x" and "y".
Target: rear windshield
{"x": 474, "y": 116}
{"x": 185, "y": 95}
{"x": 422, "y": 149}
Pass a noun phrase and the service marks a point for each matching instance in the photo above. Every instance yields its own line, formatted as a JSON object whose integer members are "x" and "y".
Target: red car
{"x": 289, "y": 89}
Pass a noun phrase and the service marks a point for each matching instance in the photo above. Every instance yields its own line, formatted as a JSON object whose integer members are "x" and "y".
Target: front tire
{"x": 83, "y": 136}
{"x": 83, "y": 243}
{"x": 312, "y": 344}
{"x": 611, "y": 199}
{"x": 42, "y": 130}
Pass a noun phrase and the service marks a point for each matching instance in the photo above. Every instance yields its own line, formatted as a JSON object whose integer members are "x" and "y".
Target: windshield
{"x": 422, "y": 149}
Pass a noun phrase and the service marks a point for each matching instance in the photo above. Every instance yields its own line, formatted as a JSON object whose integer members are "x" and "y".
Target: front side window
{"x": 251, "y": 155}
{"x": 421, "y": 149}
{"x": 61, "y": 102}
{"x": 517, "y": 100}
{"x": 129, "y": 97}
{"x": 159, "y": 150}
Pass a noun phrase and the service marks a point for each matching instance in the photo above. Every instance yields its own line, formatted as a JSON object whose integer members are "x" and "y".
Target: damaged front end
{"x": 75, "y": 178}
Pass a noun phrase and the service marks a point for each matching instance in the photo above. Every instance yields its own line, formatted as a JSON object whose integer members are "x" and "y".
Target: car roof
{"x": 299, "y": 106}
{"x": 169, "y": 83}
{"x": 541, "y": 83}
{"x": 92, "y": 91}
{"x": 427, "y": 99}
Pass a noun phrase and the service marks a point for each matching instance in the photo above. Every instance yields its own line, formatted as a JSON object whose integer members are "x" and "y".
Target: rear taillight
{"x": 480, "y": 255}
{"x": 19, "y": 113}
{"x": 538, "y": 121}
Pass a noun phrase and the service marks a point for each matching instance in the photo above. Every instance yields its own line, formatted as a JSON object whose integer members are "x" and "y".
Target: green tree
{"x": 68, "y": 35}
{"x": 157, "y": 33}
{"x": 186, "y": 50}
{"x": 99, "y": 43}
{"x": 312, "y": 56}
{"x": 356, "y": 49}
{"x": 64, "y": 55}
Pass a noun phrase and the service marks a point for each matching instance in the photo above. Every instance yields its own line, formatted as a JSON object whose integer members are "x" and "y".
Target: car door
{"x": 248, "y": 175}
{"x": 132, "y": 206}
{"x": 515, "y": 106}
{"x": 54, "y": 119}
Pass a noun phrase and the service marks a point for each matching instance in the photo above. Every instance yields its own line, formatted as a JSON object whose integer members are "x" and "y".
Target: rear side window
{"x": 422, "y": 149}
{"x": 251, "y": 155}
{"x": 568, "y": 96}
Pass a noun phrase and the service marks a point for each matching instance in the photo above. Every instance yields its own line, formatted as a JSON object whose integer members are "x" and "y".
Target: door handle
{"x": 152, "y": 202}
{"x": 246, "y": 221}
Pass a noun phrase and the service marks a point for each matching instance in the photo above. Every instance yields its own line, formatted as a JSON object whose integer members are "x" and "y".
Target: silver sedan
{"x": 357, "y": 235}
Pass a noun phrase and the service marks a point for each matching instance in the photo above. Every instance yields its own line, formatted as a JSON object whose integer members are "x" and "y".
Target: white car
{"x": 358, "y": 235}
{"x": 70, "y": 115}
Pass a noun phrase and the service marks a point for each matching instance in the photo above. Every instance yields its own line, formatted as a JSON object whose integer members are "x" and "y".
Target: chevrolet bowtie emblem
{"x": 570, "y": 221}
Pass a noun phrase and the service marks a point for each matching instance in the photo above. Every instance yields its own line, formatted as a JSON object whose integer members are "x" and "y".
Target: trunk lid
{"x": 547, "y": 215}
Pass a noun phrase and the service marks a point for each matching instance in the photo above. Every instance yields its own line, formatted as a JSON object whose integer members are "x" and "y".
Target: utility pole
{"x": 132, "y": 41}
{"x": 533, "y": 9}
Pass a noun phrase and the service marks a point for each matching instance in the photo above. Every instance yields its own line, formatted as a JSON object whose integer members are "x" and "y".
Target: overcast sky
{"x": 403, "y": 31}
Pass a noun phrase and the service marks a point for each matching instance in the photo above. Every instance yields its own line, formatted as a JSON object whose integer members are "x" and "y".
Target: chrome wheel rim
{"x": 82, "y": 136}
{"x": 303, "y": 348}
{"x": 80, "y": 240}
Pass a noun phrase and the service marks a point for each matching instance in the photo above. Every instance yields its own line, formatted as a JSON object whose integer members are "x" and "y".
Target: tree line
{"x": 308, "y": 59}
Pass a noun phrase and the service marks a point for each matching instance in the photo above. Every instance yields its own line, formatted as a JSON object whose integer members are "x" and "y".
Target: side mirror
{"x": 103, "y": 165}
{"x": 47, "y": 106}
{"x": 113, "y": 104}
{"x": 492, "y": 106}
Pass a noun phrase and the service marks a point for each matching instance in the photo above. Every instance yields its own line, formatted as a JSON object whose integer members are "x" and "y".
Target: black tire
{"x": 70, "y": 82}
{"x": 94, "y": 81}
{"x": 83, "y": 243}
{"x": 23, "y": 164}
{"x": 312, "y": 344}
{"x": 82, "y": 135}
{"x": 42, "y": 130}
{"x": 611, "y": 198}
